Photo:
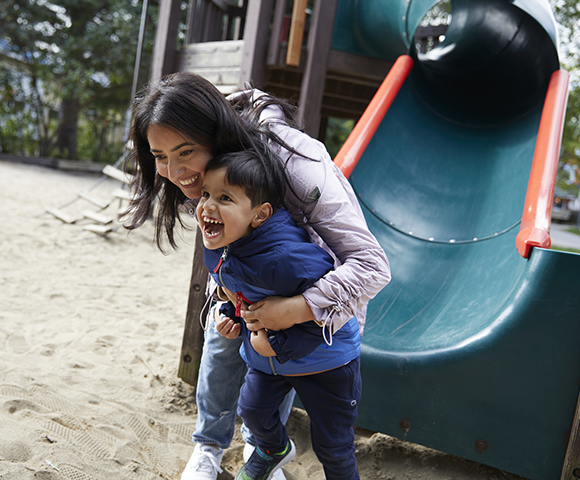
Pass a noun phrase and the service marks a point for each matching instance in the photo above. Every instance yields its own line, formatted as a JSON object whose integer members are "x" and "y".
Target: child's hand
{"x": 261, "y": 344}
{"x": 226, "y": 327}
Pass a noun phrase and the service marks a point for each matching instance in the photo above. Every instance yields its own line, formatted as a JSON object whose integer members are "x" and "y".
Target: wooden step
{"x": 97, "y": 217}
{"x": 65, "y": 217}
{"x": 218, "y": 62}
{"x": 117, "y": 174}
{"x": 102, "y": 204}
{"x": 99, "y": 229}
{"x": 122, "y": 194}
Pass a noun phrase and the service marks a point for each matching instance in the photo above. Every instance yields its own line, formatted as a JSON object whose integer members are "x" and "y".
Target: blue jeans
{"x": 221, "y": 375}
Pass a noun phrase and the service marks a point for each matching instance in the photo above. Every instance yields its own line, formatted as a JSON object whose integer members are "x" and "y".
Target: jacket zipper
{"x": 272, "y": 365}
{"x": 218, "y": 269}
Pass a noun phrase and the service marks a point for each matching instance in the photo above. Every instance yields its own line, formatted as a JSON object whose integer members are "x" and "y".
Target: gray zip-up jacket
{"x": 323, "y": 202}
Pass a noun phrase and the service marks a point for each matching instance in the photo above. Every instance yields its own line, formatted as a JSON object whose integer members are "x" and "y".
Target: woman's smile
{"x": 190, "y": 181}
{"x": 179, "y": 159}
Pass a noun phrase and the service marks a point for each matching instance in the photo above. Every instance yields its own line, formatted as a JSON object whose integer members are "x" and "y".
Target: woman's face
{"x": 178, "y": 159}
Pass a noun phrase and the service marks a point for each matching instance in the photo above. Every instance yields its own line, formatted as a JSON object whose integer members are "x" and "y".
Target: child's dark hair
{"x": 261, "y": 174}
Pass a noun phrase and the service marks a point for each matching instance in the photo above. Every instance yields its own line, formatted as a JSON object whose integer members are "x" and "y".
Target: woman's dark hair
{"x": 192, "y": 106}
{"x": 261, "y": 174}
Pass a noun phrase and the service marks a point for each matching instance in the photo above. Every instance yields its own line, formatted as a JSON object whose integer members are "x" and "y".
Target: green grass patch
{"x": 564, "y": 249}
{"x": 575, "y": 230}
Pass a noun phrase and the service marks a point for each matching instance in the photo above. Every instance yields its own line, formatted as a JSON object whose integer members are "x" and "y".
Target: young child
{"x": 254, "y": 249}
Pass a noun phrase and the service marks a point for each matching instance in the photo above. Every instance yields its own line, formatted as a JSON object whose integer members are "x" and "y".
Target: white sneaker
{"x": 248, "y": 450}
{"x": 204, "y": 463}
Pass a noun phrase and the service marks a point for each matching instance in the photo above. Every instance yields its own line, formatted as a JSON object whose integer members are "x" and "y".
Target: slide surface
{"x": 472, "y": 349}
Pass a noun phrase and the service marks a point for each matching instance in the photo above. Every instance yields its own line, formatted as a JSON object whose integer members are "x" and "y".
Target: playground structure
{"x": 473, "y": 347}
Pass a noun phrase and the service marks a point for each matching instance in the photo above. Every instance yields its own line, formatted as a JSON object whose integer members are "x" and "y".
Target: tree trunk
{"x": 66, "y": 142}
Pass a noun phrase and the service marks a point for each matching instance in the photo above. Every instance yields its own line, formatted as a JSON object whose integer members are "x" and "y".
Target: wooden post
{"x": 165, "y": 38}
{"x": 256, "y": 33}
{"x": 296, "y": 33}
{"x": 571, "y": 467}
{"x": 277, "y": 24}
{"x": 314, "y": 79}
{"x": 193, "y": 333}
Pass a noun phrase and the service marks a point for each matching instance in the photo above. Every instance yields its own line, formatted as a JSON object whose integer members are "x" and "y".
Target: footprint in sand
{"x": 15, "y": 452}
{"x": 17, "y": 343}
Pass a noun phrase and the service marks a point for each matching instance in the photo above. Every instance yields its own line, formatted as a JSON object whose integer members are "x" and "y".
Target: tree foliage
{"x": 78, "y": 57}
{"x": 567, "y": 13}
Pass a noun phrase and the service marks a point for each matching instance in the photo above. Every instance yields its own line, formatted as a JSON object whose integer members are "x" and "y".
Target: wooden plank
{"x": 195, "y": 30}
{"x": 165, "y": 38}
{"x": 277, "y": 25}
{"x": 571, "y": 467}
{"x": 65, "y": 217}
{"x": 97, "y": 217}
{"x": 117, "y": 174}
{"x": 98, "y": 202}
{"x": 99, "y": 229}
{"x": 256, "y": 34}
{"x": 122, "y": 194}
{"x": 193, "y": 333}
{"x": 213, "y": 54}
{"x": 296, "y": 33}
{"x": 313, "y": 81}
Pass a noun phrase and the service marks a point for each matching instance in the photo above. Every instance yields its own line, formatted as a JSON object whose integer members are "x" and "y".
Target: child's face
{"x": 225, "y": 212}
{"x": 179, "y": 159}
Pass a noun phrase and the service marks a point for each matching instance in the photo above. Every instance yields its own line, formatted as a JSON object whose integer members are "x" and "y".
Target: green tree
{"x": 80, "y": 56}
{"x": 567, "y": 13}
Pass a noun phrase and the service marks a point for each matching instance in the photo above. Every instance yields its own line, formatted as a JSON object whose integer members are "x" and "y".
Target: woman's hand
{"x": 261, "y": 344}
{"x": 277, "y": 313}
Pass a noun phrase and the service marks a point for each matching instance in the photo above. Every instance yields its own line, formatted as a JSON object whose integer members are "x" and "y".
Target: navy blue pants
{"x": 331, "y": 399}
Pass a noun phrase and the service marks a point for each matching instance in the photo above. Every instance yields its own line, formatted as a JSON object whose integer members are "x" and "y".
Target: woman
{"x": 179, "y": 124}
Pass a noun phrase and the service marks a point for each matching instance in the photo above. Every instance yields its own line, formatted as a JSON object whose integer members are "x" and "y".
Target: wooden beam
{"x": 277, "y": 25}
{"x": 165, "y": 38}
{"x": 319, "y": 43}
{"x": 256, "y": 33}
{"x": 296, "y": 33}
{"x": 571, "y": 467}
{"x": 193, "y": 333}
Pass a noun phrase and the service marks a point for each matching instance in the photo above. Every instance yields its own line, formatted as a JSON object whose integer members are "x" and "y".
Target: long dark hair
{"x": 192, "y": 106}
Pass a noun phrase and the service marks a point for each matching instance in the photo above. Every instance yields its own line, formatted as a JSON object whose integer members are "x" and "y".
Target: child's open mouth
{"x": 211, "y": 227}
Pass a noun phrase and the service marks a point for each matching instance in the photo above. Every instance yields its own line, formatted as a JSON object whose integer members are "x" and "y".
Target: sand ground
{"x": 90, "y": 334}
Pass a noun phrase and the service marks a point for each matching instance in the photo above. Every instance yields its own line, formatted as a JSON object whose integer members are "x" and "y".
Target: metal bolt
{"x": 405, "y": 424}
{"x": 187, "y": 359}
{"x": 481, "y": 445}
{"x": 197, "y": 287}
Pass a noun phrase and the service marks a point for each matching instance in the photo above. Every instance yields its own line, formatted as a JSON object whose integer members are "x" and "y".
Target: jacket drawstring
{"x": 204, "y": 326}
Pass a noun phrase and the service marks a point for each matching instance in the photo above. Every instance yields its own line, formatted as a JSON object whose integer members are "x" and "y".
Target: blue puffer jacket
{"x": 279, "y": 258}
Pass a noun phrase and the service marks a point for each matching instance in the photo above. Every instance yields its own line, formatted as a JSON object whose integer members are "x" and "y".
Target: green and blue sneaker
{"x": 263, "y": 464}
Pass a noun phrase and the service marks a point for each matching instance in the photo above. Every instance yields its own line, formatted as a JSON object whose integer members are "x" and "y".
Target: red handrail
{"x": 536, "y": 218}
{"x": 350, "y": 153}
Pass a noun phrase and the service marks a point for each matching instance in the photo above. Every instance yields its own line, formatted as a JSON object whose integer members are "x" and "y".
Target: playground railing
{"x": 536, "y": 218}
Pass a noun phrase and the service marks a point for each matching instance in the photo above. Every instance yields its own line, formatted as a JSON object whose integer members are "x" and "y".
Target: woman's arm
{"x": 277, "y": 313}
{"x": 336, "y": 219}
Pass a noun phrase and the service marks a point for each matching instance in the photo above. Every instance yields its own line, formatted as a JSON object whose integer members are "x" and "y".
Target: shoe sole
{"x": 287, "y": 459}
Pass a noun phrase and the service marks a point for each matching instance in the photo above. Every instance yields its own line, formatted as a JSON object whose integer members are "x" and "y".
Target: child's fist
{"x": 226, "y": 327}
{"x": 261, "y": 344}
